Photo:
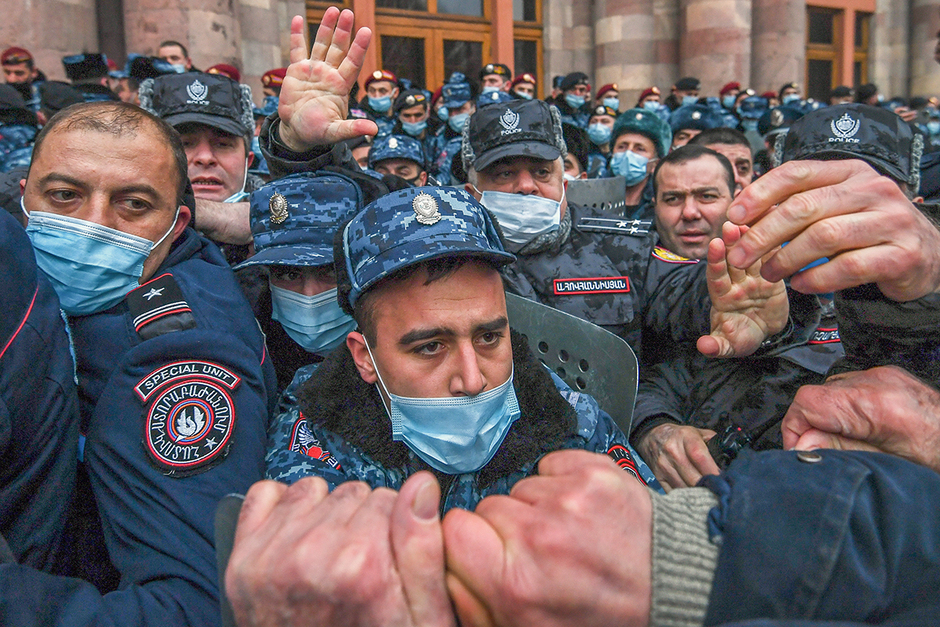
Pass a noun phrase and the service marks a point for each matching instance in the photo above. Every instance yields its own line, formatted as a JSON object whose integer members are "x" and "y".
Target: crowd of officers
{"x": 204, "y": 293}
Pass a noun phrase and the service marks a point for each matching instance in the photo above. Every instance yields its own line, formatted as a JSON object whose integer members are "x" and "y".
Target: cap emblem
{"x": 410, "y": 100}
{"x": 197, "y": 92}
{"x": 696, "y": 115}
{"x": 425, "y": 207}
{"x": 776, "y": 117}
{"x": 278, "y": 207}
{"x": 509, "y": 120}
{"x": 392, "y": 142}
{"x": 844, "y": 128}
{"x": 377, "y": 74}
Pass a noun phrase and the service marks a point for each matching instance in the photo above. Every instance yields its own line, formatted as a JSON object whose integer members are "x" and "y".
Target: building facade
{"x": 634, "y": 43}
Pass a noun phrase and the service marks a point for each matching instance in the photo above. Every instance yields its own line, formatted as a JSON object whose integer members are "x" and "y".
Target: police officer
{"x": 599, "y": 127}
{"x": 88, "y": 73}
{"x": 457, "y": 98}
{"x": 573, "y": 102}
{"x": 495, "y": 77}
{"x": 420, "y": 276}
{"x": 20, "y": 71}
{"x": 524, "y": 86}
{"x": 17, "y": 130}
{"x": 684, "y": 93}
{"x": 272, "y": 80}
{"x": 688, "y": 121}
{"x": 412, "y": 112}
{"x": 609, "y": 96}
{"x": 638, "y": 140}
{"x": 401, "y": 156}
{"x": 381, "y": 91}
{"x": 175, "y": 386}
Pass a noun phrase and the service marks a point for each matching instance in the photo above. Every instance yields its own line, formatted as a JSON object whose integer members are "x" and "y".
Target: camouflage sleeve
{"x": 295, "y": 451}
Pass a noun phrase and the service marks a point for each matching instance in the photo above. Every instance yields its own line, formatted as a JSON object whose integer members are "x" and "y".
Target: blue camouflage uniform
{"x": 16, "y": 145}
{"x": 175, "y": 395}
{"x": 38, "y": 409}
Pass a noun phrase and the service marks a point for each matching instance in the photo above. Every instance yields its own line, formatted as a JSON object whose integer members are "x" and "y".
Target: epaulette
{"x": 616, "y": 226}
{"x": 158, "y": 307}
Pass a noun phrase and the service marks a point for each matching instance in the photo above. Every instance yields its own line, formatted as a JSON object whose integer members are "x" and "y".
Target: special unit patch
{"x": 191, "y": 415}
{"x": 622, "y": 458}
{"x": 303, "y": 441}
{"x": 668, "y": 256}
{"x": 593, "y": 285}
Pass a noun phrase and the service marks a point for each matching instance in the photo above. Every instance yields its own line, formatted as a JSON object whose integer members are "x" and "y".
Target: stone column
{"x": 567, "y": 39}
{"x": 891, "y": 50}
{"x": 625, "y": 46}
{"x": 924, "y": 71}
{"x": 714, "y": 42}
{"x": 260, "y": 41}
{"x": 778, "y": 44}
{"x": 51, "y": 30}
{"x": 665, "y": 70}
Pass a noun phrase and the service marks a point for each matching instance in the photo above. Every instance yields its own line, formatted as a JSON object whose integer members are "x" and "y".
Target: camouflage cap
{"x": 396, "y": 147}
{"x": 493, "y": 97}
{"x": 520, "y": 128}
{"x": 645, "y": 123}
{"x": 856, "y": 131}
{"x": 456, "y": 91}
{"x": 294, "y": 219}
{"x": 408, "y": 227}
{"x": 697, "y": 116}
{"x": 753, "y": 107}
{"x": 778, "y": 120}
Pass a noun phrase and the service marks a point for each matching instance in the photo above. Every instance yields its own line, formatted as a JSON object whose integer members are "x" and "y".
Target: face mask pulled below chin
{"x": 316, "y": 323}
{"x": 454, "y": 435}
{"x": 240, "y": 194}
{"x": 522, "y": 217}
{"x": 91, "y": 267}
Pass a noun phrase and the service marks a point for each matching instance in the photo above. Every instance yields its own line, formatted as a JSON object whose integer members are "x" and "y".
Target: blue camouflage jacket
{"x": 304, "y": 441}
{"x": 16, "y": 145}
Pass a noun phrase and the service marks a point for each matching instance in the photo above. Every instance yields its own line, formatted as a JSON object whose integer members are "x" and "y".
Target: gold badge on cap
{"x": 425, "y": 207}
{"x": 377, "y": 74}
{"x": 410, "y": 100}
{"x": 278, "y": 207}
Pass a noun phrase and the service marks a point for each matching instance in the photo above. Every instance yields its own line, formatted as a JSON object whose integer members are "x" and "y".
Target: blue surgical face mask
{"x": 489, "y": 89}
{"x": 790, "y": 98}
{"x": 455, "y": 434}
{"x": 315, "y": 322}
{"x": 651, "y": 105}
{"x": 575, "y": 102}
{"x": 380, "y": 104}
{"x": 522, "y": 217}
{"x": 91, "y": 267}
{"x": 414, "y": 128}
{"x": 688, "y": 101}
{"x": 241, "y": 194}
{"x": 524, "y": 96}
{"x": 179, "y": 68}
{"x": 599, "y": 133}
{"x": 728, "y": 101}
{"x": 457, "y": 121}
{"x": 443, "y": 114}
{"x": 613, "y": 103}
{"x": 629, "y": 165}
{"x": 749, "y": 125}
{"x": 933, "y": 128}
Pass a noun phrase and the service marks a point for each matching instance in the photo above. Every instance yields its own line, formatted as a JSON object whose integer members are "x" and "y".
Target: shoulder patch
{"x": 616, "y": 226}
{"x": 593, "y": 285}
{"x": 157, "y": 307}
{"x": 668, "y": 256}
{"x": 825, "y": 335}
{"x": 622, "y": 458}
{"x": 302, "y": 441}
{"x": 190, "y": 415}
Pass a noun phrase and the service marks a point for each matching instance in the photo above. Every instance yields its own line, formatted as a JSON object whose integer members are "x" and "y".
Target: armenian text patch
{"x": 190, "y": 415}
{"x": 622, "y": 458}
{"x": 825, "y": 336}
{"x": 595, "y": 285}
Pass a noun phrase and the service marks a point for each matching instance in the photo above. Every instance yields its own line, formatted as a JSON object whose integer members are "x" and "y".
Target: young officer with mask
{"x": 433, "y": 379}
{"x": 293, "y": 221}
{"x": 639, "y": 139}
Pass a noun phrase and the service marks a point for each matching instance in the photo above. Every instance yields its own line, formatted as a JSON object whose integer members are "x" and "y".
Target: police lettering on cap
{"x": 397, "y": 147}
{"x": 644, "y": 123}
{"x": 856, "y": 131}
{"x": 294, "y": 219}
{"x": 196, "y": 97}
{"x": 521, "y": 128}
{"x": 408, "y": 227}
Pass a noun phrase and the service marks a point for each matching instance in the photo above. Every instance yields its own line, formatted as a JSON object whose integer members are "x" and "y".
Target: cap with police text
{"x": 199, "y": 98}
{"x": 411, "y": 226}
{"x": 644, "y": 123}
{"x": 521, "y": 128}
{"x": 294, "y": 219}
{"x": 496, "y": 68}
{"x": 396, "y": 147}
{"x": 857, "y": 131}
{"x": 84, "y": 66}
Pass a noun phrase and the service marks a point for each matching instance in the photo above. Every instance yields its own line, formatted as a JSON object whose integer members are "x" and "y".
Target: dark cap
{"x": 688, "y": 83}
{"x": 795, "y": 86}
{"x": 410, "y": 98}
{"x": 396, "y": 147}
{"x": 196, "y": 97}
{"x": 84, "y": 66}
{"x": 573, "y": 80}
{"x": 13, "y": 107}
{"x": 521, "y": 128}
{"x": 842, "y": 91}
{"x": 496, "y": 68}
{"x": 456, "y": 91}
{"x": 604, "y": 110}
{"x": 645, "y": 123}
{"x": 777, "y": 120}
{"x": 140, "y": 68}
{"x": 294, "y": 219}
{"x": 410, "y": 226}
{"x": 866, "y": 91}
{"x": 56, "y": 95}
{"x": 857, "y": 131}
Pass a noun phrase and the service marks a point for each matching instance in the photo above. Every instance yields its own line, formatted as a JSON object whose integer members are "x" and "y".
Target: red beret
{"x": 14, "y": 56}
{"x": 606, "y": 88}
{"x": 732, "y": 85}
{"x": 524, "y": 78}
{"x": 381, "y": 75}
{"x": 226, "y": 70}
{"x": 649, "y": 91}
{"x": 274, "y": 78}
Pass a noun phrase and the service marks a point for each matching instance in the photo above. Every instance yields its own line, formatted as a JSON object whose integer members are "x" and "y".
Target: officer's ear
{"x": 356, "y": 344}
{"x": 182, "y": 221}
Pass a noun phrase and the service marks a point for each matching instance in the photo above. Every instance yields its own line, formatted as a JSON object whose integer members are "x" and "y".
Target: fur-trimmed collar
{"x": 337, "y": 399}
